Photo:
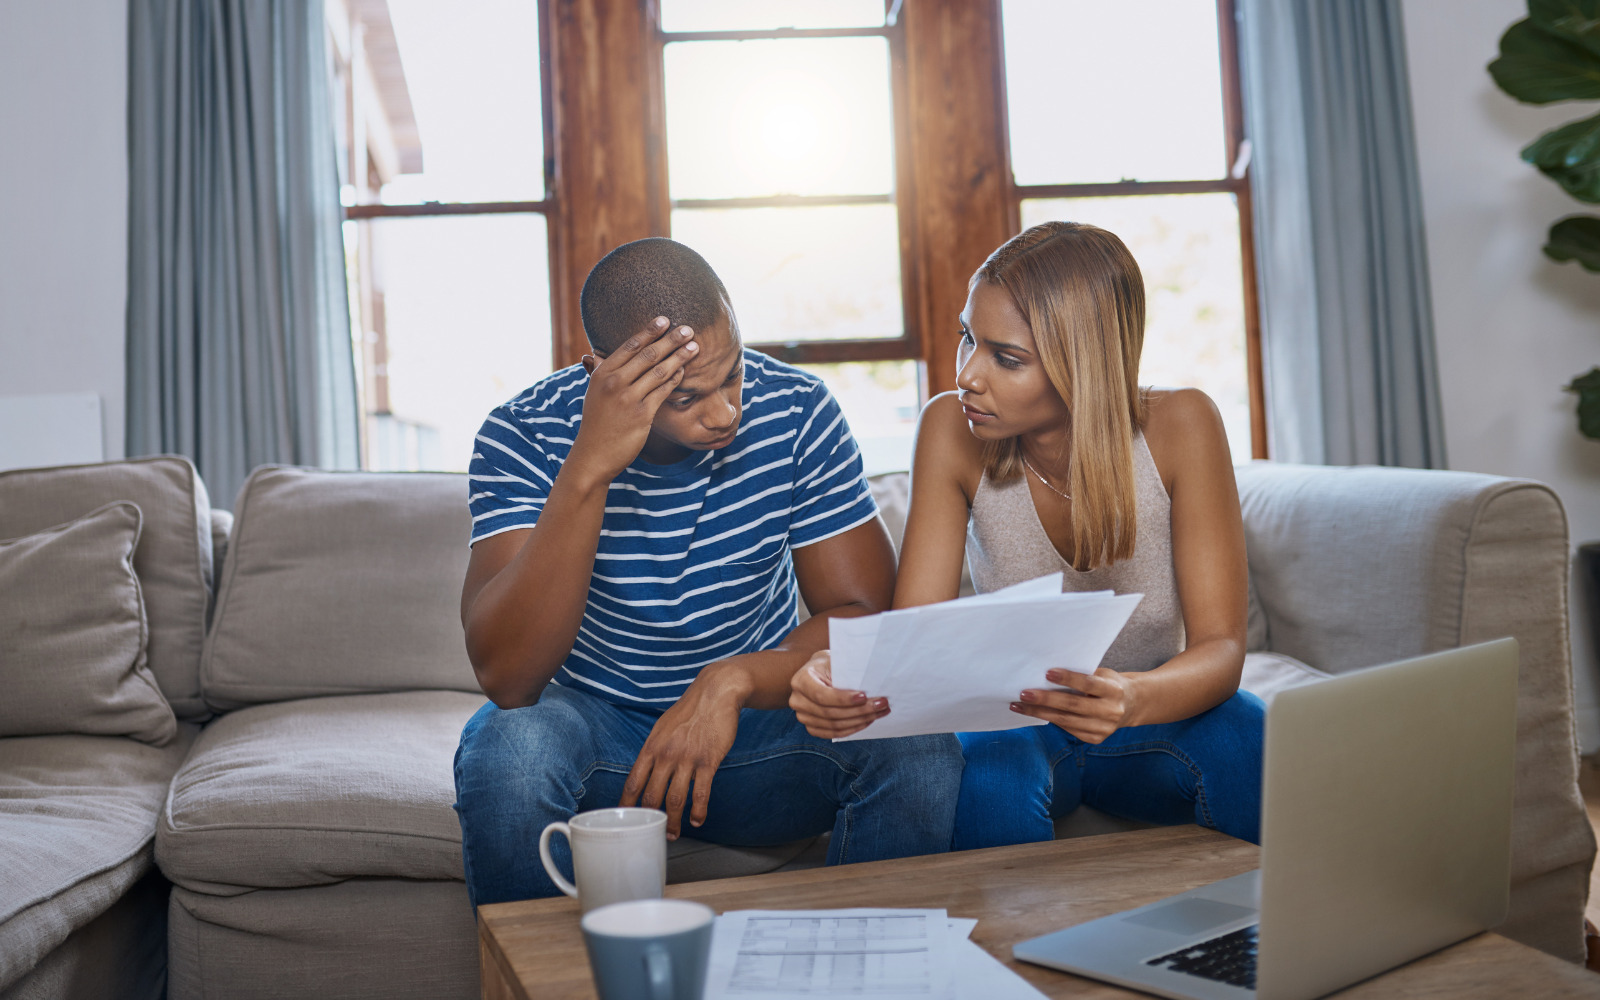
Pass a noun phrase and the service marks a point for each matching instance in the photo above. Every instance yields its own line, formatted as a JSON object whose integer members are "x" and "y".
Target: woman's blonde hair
{"x": 1083, "y": 297}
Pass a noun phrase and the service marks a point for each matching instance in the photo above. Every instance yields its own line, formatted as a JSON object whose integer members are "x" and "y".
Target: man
{"x": 640, "y": 524}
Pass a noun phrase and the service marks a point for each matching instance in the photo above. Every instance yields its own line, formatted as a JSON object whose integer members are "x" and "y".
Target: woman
{"x": 1050, "y": 457}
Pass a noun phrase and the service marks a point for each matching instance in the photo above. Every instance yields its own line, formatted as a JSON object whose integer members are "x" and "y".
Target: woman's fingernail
{"x": 1015, "y": 707}
{"x": 1026, "y": 696}
{"x": 1054, "y": 676}
{"x": 859, "y": 697}
{"x": 881, "y": 703}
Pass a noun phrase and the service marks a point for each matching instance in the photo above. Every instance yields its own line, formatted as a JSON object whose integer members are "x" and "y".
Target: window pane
{"x": 764, "y": 15}
{"x": 456, "y": 317}
{"x": 821, "y": 273}
{"x": 880, "y": 400}
{"x": 470, "y": 74}
{"x": 1187, "y": 247}
{"x": 1113, "y": 91}
{"x": 766, "y": 117}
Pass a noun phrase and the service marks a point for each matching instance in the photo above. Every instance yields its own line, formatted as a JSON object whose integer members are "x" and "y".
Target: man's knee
{"x": 503, "y": 749}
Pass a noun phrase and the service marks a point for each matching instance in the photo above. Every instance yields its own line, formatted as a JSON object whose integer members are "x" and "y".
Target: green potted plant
{"x": 1554, "y": 55}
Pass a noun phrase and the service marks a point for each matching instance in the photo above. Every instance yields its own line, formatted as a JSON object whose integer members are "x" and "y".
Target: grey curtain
{"x": 1347, "y": 323}
{"x": 239, "y": 348}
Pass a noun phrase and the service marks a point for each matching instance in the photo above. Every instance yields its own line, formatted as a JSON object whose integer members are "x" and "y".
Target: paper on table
{"x": 976, "y": 973}
{"x": 957, "y": 666}
{"x": 808, "y": 954}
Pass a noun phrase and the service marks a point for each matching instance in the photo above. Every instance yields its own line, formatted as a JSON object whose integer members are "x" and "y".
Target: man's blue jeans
{"x": 520, "y": 769}
{"x": 1205, "y": 770}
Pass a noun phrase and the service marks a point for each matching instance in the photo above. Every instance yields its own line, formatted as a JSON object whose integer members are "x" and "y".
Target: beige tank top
{"x": 1007, "y": 544}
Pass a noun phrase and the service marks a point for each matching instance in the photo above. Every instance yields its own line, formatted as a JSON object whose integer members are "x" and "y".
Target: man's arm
{"x": 847, "y": 575}
{"x": 526, "y": 590}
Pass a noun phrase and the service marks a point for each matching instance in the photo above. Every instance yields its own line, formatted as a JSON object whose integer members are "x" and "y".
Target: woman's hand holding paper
{"x": 828, "y": 712}
{"x": 1094, "y": 706}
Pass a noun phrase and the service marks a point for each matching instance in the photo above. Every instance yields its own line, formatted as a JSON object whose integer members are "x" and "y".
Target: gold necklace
{"x": 1021, "y": 454}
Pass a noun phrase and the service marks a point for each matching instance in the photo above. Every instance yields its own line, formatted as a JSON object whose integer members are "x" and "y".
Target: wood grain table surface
{"x": 534, "y": 949}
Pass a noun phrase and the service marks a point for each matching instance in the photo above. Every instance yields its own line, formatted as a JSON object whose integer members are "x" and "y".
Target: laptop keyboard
{"x": 1230, "y": 958}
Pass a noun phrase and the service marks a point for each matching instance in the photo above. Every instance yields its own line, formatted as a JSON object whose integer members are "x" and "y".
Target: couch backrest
{"x": 173, "y": 560}
{"x": 340, "y": 583}
{"x": 1358, "y": 566}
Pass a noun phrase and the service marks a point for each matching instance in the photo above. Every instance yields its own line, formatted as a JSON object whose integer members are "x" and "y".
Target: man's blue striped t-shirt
{"x": 694, "y": 558}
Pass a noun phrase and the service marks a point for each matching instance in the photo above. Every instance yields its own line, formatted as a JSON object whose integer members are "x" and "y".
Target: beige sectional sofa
{"x": 303, "y": 813}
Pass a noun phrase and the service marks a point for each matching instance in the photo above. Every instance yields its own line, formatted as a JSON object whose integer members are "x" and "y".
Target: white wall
{"x": 64, "y": 202}
{"x": 1511, "y": 326}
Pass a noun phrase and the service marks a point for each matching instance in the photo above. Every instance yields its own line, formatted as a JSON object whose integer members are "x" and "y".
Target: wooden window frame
{"x": 1236, "y": 183}
{"x": 604, "y": 122}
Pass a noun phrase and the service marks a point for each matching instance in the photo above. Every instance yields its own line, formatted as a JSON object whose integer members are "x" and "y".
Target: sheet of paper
{"x": 850, "y": 643}
{"x": 976, "y": 973}
{"x": 810, "y": 954}
{"x": 957, "y": 666}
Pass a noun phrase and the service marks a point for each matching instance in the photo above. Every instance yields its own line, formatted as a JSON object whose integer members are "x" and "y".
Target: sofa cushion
{"x": 316, "y": 791}
{"x": 173, "y": 559}
{"x": 340, "y": 583}
{"x": 77, "y": 814}
{"x": 72, "y": 633}
{"x": 1265, "y": 674}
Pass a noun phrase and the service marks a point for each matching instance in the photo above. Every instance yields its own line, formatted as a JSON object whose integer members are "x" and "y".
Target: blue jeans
{"x": 520, "y": 769}
{"x": 1205, "y": 770}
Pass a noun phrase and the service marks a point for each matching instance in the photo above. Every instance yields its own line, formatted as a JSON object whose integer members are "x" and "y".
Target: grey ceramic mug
{"x": 649, "y": 949}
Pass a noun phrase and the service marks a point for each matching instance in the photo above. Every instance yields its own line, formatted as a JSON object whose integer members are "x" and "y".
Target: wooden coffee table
{"x": 535, "y": 949}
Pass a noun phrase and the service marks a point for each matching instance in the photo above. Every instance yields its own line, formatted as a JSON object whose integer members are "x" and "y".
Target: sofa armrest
{"x": 1360, "y": 566}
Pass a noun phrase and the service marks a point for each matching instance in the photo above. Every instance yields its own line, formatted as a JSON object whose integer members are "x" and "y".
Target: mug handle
{"x": 658, "y": 968}
{"x": 549, "y": 863}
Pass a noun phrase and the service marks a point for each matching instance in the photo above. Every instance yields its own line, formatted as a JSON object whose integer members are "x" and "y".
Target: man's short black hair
{"x": 639, "y": 281}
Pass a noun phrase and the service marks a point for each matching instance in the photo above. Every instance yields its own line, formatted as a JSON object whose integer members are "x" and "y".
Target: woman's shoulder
{"x": 1183, "y": 427}
{"x": 945, "y": 445}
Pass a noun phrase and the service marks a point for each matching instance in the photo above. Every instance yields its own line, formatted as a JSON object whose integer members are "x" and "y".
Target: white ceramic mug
{"x": 617, "y": 855}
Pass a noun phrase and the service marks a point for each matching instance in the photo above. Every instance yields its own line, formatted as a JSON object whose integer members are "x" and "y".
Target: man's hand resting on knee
{"x": 851, "y": 573}
{"x": 686, "y": 747}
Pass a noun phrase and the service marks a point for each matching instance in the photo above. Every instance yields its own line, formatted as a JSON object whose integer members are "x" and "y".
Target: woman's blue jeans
{"x": 520, "y": 769}
{"x": 1205, "y": 770}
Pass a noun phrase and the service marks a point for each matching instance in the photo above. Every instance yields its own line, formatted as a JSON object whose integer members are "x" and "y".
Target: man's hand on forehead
{"x": 626, "y": 388}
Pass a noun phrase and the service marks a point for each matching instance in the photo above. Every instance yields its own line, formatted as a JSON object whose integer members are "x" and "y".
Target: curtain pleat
{"x": 239, "y": 348}
{"x": 1347, "y": 320}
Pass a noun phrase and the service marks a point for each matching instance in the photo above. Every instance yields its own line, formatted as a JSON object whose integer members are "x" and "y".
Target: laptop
{"x": 1385, "y": 834}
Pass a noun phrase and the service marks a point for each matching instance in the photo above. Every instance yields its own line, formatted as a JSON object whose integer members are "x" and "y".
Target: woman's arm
{"x": 1190, "y": 447}
{"x": 944, "y": 476}
{"x": 942, "y": 479}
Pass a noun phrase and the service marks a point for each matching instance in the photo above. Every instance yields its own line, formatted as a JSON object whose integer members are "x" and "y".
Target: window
{"x": 782, "y": 170}
{"x": 1129, "y": 118}
{"x": 845, "y": 165}
{"x": 446, "y": 235}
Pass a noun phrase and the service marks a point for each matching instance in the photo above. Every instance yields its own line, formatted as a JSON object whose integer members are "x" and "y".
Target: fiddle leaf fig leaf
{"x": 1577, "y": 237}
{"x": 1575, "y": 20}
{"x": 1537, "y": 67}
{"x": 1587, "y": 387}
{"x": 1570, "y": 156}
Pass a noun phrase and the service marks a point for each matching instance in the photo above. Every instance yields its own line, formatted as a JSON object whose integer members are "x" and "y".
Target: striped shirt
{"x": 694, "y": 563}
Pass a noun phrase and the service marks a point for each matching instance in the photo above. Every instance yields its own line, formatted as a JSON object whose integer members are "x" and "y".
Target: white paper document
{"x": 855, "y": 953}
{"x": 806, "y": 954}
{"x": 957, "y": 666}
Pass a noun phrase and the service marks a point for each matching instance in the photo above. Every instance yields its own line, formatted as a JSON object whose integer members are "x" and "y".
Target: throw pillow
{"x": 73, "y": 633}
